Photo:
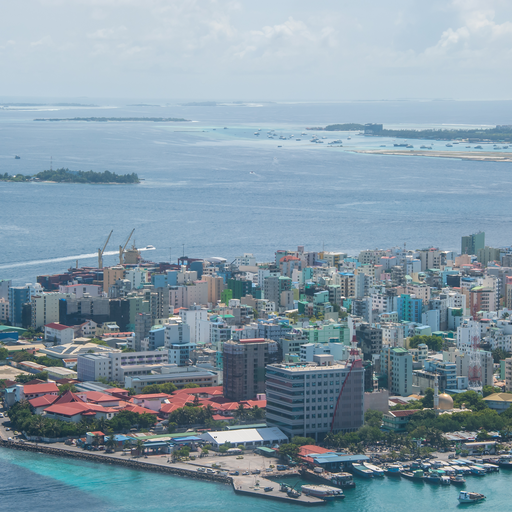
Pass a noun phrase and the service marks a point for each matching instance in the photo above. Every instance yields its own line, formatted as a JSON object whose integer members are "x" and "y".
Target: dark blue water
{"x": 199, "y": 191}
{"x": 36, "y": 481}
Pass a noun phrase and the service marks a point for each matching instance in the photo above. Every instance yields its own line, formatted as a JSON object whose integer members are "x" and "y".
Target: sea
{"x": 48, "y": 483}
{"x": 211, "y": 187}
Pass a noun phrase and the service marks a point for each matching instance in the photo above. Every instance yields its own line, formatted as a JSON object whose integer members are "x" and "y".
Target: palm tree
{"x": 96, "y": 440}
{"x": 139, "y": 445}
{"x": 111, "y": 444}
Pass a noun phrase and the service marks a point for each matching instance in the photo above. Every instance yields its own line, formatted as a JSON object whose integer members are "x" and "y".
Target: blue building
{"x": 18, "y": 295}
{"x": 156, "y": 338}
{"x": 409, "y": 309}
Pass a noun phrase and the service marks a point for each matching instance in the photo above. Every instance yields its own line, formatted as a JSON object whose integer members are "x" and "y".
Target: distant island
{"x": 142, "y": 105}
{"x": 200, "y": 104}
{"x": 347, "y": 127}
{"x": 122, "y": 119}
{"x": 500, "y": 133}
{"x": 67, "y": 176}
{"x": 46, "y": 105}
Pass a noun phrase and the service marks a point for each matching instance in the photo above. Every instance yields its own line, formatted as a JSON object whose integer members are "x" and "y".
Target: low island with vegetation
{"x": 67, "y": 176}
{"x": 500, "y": 133}
{"x": 120, "y": 119}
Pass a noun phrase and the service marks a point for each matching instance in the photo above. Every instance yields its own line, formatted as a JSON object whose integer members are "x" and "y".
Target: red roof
{"x": 212, "y": 390}
{"x": 58, "y": 327}
{"x": 41, "y": 401}
{"x": 97, "y": 396}
{"x": 151, "y": 395}
{"x": 138, "y": 409}
{"x": 252, "y": 340}
{"x": 288, "y": 258}
{"x": 402, "y": 414}
{"x": 47, "y": 387}
{"x": 311, "y": 448}
{"x": 69, "y": 397}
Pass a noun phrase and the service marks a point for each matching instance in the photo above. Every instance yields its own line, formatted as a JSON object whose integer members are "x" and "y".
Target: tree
{"x": 499, "y": 355}
{"x": 433, "y": 342}
{"x": 110, "y": 444}
{"x": 489, "y": 390}
{"x": 191, "y": 385}
{"x": 67, "y": 387}
{"x": 3, "y": 353}
{"x": 24, "y": 378}
{"x": 428, "y": 399}
{"x": 139, "y": 446}
{"x": 301, "y": 441}
{"x": 373, "y": 418}
{"x": 223, "y": 448}
{"x": 289, "y": 450}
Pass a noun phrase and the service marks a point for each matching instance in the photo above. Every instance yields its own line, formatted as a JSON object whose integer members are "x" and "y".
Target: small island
{"x": 67, "y": 176}
{"x": 120, "y": 119}
{"x": 346, "y": 127}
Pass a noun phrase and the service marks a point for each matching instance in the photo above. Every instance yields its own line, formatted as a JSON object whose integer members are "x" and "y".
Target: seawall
{"x": 105, "y": 459}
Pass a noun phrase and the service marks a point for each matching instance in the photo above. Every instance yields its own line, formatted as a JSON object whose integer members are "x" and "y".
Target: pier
{"x": 246, "y": 485}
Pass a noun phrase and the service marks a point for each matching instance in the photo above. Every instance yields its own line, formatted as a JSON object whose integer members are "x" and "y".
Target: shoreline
{"x": 105, "y": 459}
{"x": 485, "y": 156}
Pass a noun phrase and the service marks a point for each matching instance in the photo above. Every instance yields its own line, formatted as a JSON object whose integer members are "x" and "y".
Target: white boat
{"x": 377, "y": 471}
{"x": 470, "y": 497}
{"x": 324, "y": 492}
{"x": 150, "y": 247}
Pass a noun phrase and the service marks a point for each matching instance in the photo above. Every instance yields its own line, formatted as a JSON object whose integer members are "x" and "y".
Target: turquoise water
{"x": 29, "y": 481}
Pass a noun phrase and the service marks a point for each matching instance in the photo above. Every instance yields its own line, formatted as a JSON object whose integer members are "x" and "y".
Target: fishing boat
{"x": 445, "y": 480}
{"x": 324, "y": 492}
{"x": 457, "y": 480}
{"x": 360, "y": 470}
{"x": 393, "y": 471}
{"x": 477, "y": 470}
{"x": 17, "y": 157}
{"x": 377, "y": 471}
{"x": 432, "y": 477}
{"x": 417, "y": 475}
{"x": 470, "y": 497}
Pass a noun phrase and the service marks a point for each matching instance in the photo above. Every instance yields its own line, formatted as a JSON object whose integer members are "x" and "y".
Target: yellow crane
{"x": 121, "y": 249}
{"x": 101, "y": 251}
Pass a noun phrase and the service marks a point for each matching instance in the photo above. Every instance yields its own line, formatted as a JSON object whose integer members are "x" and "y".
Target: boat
{"x": 417, "y": 475}
{"x": 505, "y": 461}
{"x": 449, "y": 145}
{"x": 457, "y": 480}
{"x": 279, "y": 146}
{"x": 432, "y": 478}
{"x": 445, "y": 480}
{"x": 252, "y": 172}
{"x": 505, "y": 147}
{"x": 292, "y": 493}
{"x": 256, "y": 133}
{"x": 341, "y": 480}
{"x": 17, "y": 157}
{"x": 324, "y": 492}
{"x": 410, "y": 146}
{"x": 150, "y": 247}
{"x": 298, "y": 140}
{"x": 393, "y": 471}
{"x": 377, "y": 471}
{"x": 478, "y": 147}
{"x": 470, "y": 497}
{"x": 477, "y": 470}
{"x": 360, "y": 470}
{"x": 400, "y": 145}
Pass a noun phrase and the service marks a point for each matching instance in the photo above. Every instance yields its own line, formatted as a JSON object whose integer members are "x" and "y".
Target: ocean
{"x": 48, "y": 483}
{"x": 210, "y": 191}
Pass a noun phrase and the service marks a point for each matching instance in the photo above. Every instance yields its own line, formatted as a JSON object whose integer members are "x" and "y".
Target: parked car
{"x": 268, "y": 489}
{"x": 234, "y": 473}
{"x": 256, "y": 472}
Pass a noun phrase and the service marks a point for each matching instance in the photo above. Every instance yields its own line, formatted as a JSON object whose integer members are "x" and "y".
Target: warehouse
{"x": 249, "y": 438}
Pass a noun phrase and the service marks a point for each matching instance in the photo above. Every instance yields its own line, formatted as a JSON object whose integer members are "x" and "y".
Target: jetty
{"x": 251, "y": 486}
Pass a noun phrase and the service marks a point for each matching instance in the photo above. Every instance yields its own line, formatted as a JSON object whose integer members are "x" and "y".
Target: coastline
{"x": 485, "y": 156}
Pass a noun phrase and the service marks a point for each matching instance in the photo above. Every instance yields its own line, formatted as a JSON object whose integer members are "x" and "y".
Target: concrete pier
{"x": 248, "y": 485}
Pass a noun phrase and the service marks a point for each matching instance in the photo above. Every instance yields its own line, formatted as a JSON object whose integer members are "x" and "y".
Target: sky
{"x": 257, "y": 50}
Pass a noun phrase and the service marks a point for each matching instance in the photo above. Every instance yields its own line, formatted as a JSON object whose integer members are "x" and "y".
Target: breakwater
{"x": 105, "y": 459}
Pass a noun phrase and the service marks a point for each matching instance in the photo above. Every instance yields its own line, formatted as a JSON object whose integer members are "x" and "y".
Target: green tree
{"x": 373, "y": 418}
{"x": 64, "y": 388}
{"x": 110, "y": 444}
{"x": 301, "y": 441}
{"x": 433, "y": 342}
{"x": 499, "y": 355}
{"x": 289, "y": 450}
{"x": 489, "y": 390}
{"x": 191, "y": 385}
{"x": 139, "y": 446}
{"x": 3, "y": 353}
{"x": 428, "y": 399}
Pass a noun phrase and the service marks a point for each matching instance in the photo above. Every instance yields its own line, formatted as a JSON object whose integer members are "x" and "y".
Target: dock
{"x": 246, "y": 485}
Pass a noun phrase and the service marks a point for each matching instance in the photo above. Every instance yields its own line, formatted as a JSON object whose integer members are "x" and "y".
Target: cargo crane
{"x": 101, "y": 251}
{"x": 121, "y": 249}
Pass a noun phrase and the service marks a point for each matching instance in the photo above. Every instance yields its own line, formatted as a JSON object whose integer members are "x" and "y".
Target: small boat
{"x": 478, "y": 147}
{"x": 298, "y": 140}
{"x": 341, "y": 480}
{"x": 432, "y": 478}
{"x": 256, "y": 133}
{"x": 445, "y": 480}
{"x": 417, "y": 475}
{"x": 470, "y": 497}
{"x": 360, "y": 470}
{"x": 457, "y": 480}
{"x": 393, "y": 471}
{"x": 225, "y": 127}
{"x": 383, "y": 146}
{"x": 150, "y": 247}
{"x": 449, "y": 145}
{"x": 292, "y": 493}
{"x": 323, "y": 492}
{"x": 477, "y": 470}
{"x": 17, "y": 157}
{"x": 279, "y": 146}
{"x": 376, "y": 470}
{"x": 252, "y": 172}
{"x": 505, "y": 461}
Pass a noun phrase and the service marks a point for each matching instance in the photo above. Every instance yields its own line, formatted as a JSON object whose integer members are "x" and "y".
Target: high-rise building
{"x": 396, "y": 362}
{"x": 471, "y": 244}
{"x": 177, "y": 341}
{"x": 18, "y": 296}
{"x": 369, "y": 339}
{"x": 45, "y": 308}
{"x": 312, "y": 399}
{"x": 111, "y": 275}
{"x": 244, "y": 364}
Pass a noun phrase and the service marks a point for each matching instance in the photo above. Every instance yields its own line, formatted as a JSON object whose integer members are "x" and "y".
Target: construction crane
{"x": 121, "y": 249}
{"x": 101, "y": 251}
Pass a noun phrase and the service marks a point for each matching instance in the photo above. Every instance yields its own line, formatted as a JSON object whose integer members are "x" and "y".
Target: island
{"x": 120, "y": 119}
{"x": 67, "y": 176}
{"x": 346, "y": 127}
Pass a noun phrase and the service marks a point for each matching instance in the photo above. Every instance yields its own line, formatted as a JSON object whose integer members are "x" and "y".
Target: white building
{"x": 397, "y": 363}
{"x": 79, "y": 290}
{"x": 248, "y": 437}
{"x": 4, "y": 309}
{"x": 45, "y": 308}
{"x": 194, "y": 317}
{"x": 58, "y": 333}
{"x": 339, "y": 351}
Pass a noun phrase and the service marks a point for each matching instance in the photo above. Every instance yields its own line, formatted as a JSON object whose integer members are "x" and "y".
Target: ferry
{"x": 360, "y": 470}
{"x": 340, "y": 480}
{"x": 323, "y": 492}
{"x": 393, "y": 471}
{"x": 376, "y": 470}
{"x": 432, "y": 478}
{"x": 470, "y": 497}
{"x": 477, "y": 470}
